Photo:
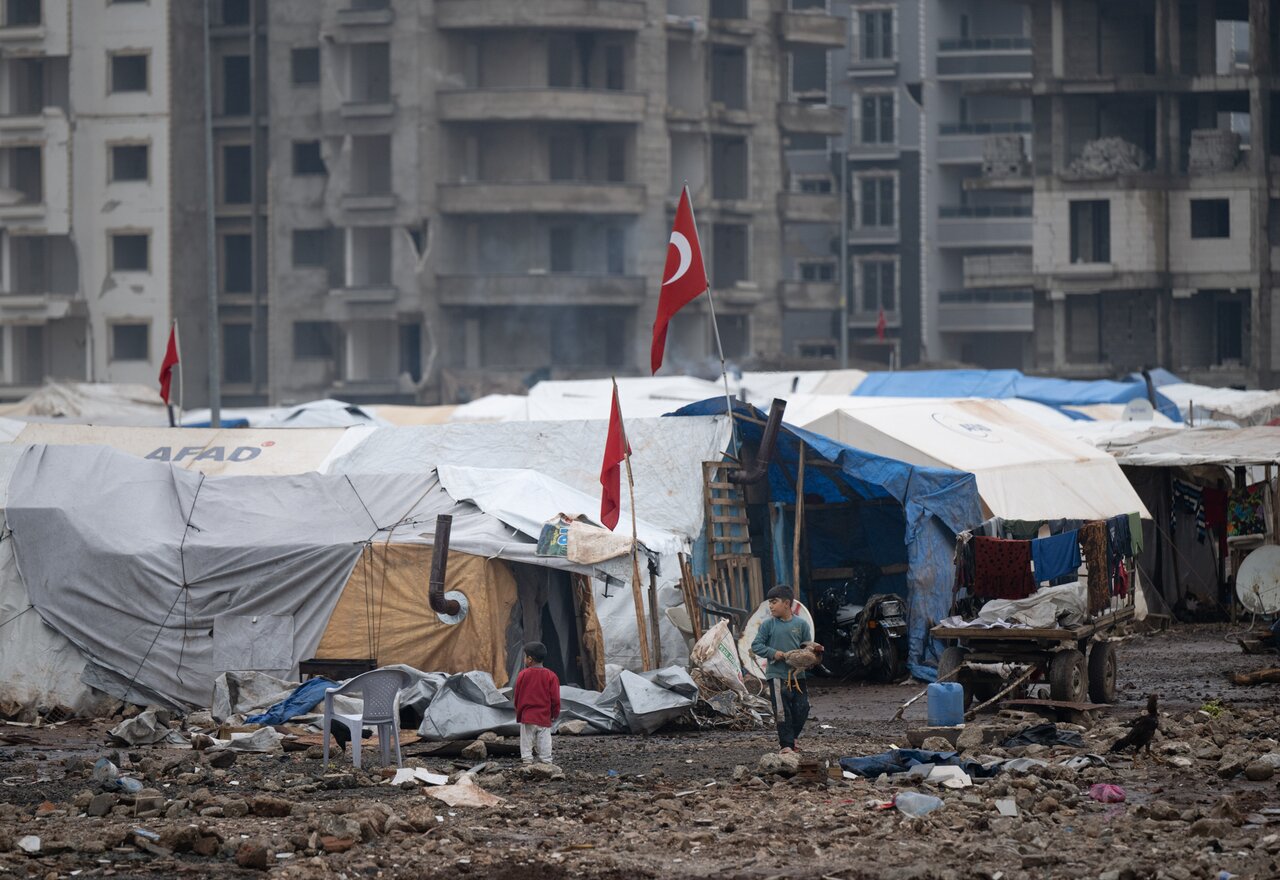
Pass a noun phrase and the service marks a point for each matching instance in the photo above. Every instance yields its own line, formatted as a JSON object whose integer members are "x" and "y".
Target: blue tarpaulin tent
{"x": 999, "y": 384}
{"x": 925, "y": 508}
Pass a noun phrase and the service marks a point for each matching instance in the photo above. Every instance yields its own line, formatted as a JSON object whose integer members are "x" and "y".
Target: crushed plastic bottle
{"x": 104, "y": 772}
{"x": 912, "y": 803}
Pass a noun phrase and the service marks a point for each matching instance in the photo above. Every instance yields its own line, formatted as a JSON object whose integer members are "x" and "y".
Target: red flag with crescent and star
{"x": 683, "y": 278}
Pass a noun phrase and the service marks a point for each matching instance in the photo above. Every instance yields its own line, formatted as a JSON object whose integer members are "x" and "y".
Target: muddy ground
{"x": 691, "y": 804}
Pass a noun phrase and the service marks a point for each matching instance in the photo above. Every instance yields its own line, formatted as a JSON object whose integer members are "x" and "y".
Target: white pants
{"x": 535, "y": 738}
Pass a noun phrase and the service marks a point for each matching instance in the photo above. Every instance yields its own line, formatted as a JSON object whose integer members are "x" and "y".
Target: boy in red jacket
{"x": 537, "y": 699}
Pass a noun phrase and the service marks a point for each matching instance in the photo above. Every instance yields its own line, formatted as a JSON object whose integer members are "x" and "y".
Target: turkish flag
{"x": 683, "y": 278}
{"x": 881, "y": 325}
{"x": 170, "y": 361}
{"x": 616, "y": 449}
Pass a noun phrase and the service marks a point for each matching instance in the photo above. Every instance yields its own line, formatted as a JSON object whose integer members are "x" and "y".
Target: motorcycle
{"x": 862, "y": 641}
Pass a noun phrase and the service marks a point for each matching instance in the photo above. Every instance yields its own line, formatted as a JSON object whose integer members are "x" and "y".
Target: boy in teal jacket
{"x": 780, "y": 633}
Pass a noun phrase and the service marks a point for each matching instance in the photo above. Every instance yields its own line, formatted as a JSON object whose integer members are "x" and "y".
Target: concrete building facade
{"x": 1155, "y": 145}
{"x": 86, "y": 143}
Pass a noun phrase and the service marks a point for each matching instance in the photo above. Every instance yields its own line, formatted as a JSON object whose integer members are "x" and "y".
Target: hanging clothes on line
{"x": 1093, "y": 547}
{"x": 1022, "y": 529}
{"x": 1247, "y": 511}
{"x": 1135, "y": 534}
{"x": 1216, "y": 502}
{"x": 1191, "y": 500}
{"x": 1056, "y": 556}
{"x": 964, "y": 563}
{"x": 1002, "y": 568}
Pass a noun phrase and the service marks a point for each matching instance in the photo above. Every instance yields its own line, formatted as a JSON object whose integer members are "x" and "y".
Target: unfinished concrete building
{"x": 1155, "y": 143}
{"x": 468, "y": 194}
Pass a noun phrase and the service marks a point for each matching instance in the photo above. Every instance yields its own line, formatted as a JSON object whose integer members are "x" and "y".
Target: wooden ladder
{"x": 727, "y": 534}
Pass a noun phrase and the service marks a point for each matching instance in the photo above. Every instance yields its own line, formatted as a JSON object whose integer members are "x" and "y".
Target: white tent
{"x": 1024, "y": 470}
{"x": 1203, "y": 402}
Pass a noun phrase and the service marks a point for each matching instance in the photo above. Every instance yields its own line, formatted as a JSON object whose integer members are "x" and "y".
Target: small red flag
{"x": 616, "y": 449}
{"x": 169, "y": 362}
{"x": 684, "y": 276}
{"x": 881, "y": 325}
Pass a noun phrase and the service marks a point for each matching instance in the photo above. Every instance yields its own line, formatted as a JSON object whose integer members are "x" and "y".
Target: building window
{"x": 130, "y": 342}
{"x": 817, "y": 270}
{"x": 876, "y": 197}
{"x": 615, "y": 159}
{"x": 809, "y": 73}
{"x": 1091, "y": 231}
{"x": 235, "y": 12}
{"x": 563, "y": 149}
{"x": 304, "y": 65}
{"x": 310, "y": 248}
{"x": 878, "y": 285}
{"x": 729, "y": 255}
{"x": 237, "y": 89}
{"x": 816, "y": 348}
{"x": 804, "y": 142}
{"x": 728, "y": 8}
{"x": 729, "y": 77}
{"x": 411, "y": 351}
{"x": 1210, "y": 218}
{"x": 561, "y": 245}
{"x": 615, "y": 251}
{"x": 1231, "y": 331}
{"x": 307, "y": 158}
{"x": 875, "y": 41}
{"x": 130, "y": 252}
{"x": 237, "y": 263}
{"x": 128, "y": 72}
{"x": 615, "y": 71}
{"x": 1084, "y": 329}
{"x": 729, "y": 174}
{"x": 877, "y": 112}
{"x": 129, "y": 162}
{"x": 314, "y": 340}
{"x": 237, "y": 174}
{"x": 237, "y": 354}
{"x": 813, "y": 184}
{"x": 369, "y": 69}
{"x": 21, "y": 13}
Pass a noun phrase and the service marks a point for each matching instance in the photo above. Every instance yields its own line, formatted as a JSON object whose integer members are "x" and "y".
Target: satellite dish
{"x": 1138, "y": 410}
{"x": 753, "y": 664}
{"x": 1258, "y": 580}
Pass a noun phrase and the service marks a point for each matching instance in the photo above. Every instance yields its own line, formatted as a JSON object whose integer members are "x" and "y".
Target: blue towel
{"x": 300, "y": 702}
{"x": 1056, "y": 557}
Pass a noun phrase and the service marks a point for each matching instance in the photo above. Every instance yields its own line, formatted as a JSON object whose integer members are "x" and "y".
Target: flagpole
{"x": 636, "y": 595}
{"x": 182, "y": 370}
{"x": 715, "y": 329}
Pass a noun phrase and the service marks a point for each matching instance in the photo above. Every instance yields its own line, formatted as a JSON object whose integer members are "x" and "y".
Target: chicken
{"x": 1141, "y": 730}
{"x": 807, "y": 656}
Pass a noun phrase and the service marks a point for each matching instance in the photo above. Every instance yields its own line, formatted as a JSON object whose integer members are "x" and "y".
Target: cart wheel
{"x": 952, "y": 659}
{"x": 1067, "y": 678}
{"x": 1102, "y": 672}
{"x": 985, "y": 687}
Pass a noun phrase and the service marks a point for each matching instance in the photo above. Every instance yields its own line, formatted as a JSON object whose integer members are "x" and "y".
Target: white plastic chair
{"x": 380, "y": 690}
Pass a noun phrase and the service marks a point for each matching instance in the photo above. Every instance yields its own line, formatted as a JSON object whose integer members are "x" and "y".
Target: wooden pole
{"x": 795, "y": 548}
{"x": 635, "y": 574}
{"x": 653, "y": 619}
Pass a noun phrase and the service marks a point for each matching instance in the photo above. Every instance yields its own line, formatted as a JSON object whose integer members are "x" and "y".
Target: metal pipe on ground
{"x": 439, "y": 565}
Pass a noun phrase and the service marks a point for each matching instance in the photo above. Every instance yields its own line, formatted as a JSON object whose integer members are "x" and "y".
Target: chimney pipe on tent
{"x": 450, "y": 607}
{"x": 760, "y": 466}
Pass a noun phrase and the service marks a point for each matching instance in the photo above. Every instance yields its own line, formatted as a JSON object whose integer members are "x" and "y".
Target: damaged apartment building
{"x": 480, "y": 192}
{"x": 1155, "y": 199}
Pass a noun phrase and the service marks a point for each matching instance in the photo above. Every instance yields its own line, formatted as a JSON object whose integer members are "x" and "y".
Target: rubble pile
{"x": 1107, "y": 157}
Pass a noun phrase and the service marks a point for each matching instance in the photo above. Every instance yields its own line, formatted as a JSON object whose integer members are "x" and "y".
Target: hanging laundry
{"x": 1022, "y": 529}
{"x": 1247, "y": 511}
{"x": 1135, "y": 534}
{"x": 1190, "y": 499}
{"x": 1118, "y": 547}
{"x": 1057, "y": 556}
{"x": 1062, "y": 526}
{"x": 1216, "y": 502}
{"x": 963, "y": 563}
{"x": 1093, "y": 547}
{"x": 1002, "y": 569}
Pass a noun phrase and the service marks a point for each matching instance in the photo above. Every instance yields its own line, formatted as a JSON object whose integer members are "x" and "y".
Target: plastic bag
{"x": 717, "y": 656}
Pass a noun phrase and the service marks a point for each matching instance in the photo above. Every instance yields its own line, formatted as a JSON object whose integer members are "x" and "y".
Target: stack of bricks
{"x": 1003, "y": 156}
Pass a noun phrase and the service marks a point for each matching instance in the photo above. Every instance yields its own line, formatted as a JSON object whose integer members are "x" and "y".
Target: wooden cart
{"x": 1078, "y": 661}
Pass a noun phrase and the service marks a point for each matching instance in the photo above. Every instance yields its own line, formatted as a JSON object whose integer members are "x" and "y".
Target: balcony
{"x": 367, "y": 110}
{"x": 369, "y": 202}
{"x": 998, "y": 270}
{"x": 810, "y": 207}
{"x": 539, "y": 104}
{"x": 31, "y": 198}
{"x": 599, "y": 15}
{"x": 50, "y": 35}
{"x": 541, "y": 197}
{"x": 873, "y": 235}
{"x": 985, "y": 311}
{"x": 869, "y": 320}
{"x": 540, "y": 289}
{"x": 984, "y": 227}
{"x": 964, "y": 143}
{"x": 362, "y": 303}
{"x": 811, "y": 118}
{"x": 812, "y": 29}
{"x": 873, "y": 67}
{"x": 39, "y": 307}
{"x": 356, "y": 17}
{"x": 810, "y": 294}
{"x": 1003, "y": 57}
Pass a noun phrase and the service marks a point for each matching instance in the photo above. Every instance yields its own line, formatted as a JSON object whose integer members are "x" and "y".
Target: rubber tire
{"x": 952, "y": 658}
{"x": 987, "y": 687}
{"x": 897, "y": 666}
{"x": 1102, "y": 672}
{"x": 1068, "y": 679}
